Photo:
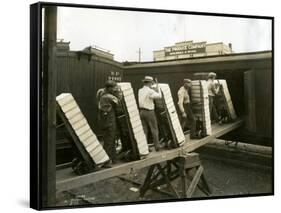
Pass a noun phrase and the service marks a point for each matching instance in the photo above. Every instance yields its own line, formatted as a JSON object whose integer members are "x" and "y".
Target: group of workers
{"x": 185, "y": 103}
{"x": 109, "y": 100}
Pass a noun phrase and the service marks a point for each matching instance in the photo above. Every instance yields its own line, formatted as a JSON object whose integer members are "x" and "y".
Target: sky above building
{"x": 124, "y": 32}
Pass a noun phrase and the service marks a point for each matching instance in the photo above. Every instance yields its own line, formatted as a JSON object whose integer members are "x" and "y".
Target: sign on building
{"x": 191, "y": 48}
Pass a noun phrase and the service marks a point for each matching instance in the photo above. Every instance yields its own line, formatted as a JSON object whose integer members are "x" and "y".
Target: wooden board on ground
{"x": 84, "y": 138}
{"x": 200, "y": 104}
{"x": 136, "y": 132}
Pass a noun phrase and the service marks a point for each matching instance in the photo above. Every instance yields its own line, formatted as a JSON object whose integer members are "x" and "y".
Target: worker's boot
{"x": 108, "y": 164}
{"x": 158, "y": 147}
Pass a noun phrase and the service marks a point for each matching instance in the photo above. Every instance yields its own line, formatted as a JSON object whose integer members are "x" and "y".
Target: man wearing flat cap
{"x": 213, "y": 90}
{"x": 184, "y": 103}
{"x": 107, "y": 101}
{"x": 146, "y": 97}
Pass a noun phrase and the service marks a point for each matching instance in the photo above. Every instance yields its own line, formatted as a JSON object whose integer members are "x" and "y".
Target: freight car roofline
{"x": 92, "y": 57}
{"x": 203, "y": 59}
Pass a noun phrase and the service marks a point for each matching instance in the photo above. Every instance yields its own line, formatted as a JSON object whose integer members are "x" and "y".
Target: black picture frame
{"x": 42, "y": 164}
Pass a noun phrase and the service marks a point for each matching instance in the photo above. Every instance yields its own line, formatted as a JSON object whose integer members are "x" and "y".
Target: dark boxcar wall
{"x": 83, "y": 76}
{"x": 264, "y": 97}
{"x": 232, "y": 71}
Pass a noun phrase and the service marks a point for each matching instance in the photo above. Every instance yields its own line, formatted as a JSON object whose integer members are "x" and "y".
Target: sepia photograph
{"x": 132, "y": 106}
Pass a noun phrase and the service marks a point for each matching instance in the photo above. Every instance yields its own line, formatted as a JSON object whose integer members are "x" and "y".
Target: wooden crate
{"x": 200, "y": 104}
{"x": 137, "y": 135}
{"x": 172, "y": 116}
{"x": 227, "y": 98}
{"x": 83, "y": 136}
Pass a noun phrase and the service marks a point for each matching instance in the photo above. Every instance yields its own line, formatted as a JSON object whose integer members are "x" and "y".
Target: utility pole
{"x": 49, "y": 108}
{"x": 139, "y": 52}
{"x": 184, "y": 32}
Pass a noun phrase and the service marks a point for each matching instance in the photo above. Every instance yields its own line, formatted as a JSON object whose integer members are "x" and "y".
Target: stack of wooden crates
{"x": 137, "y": 135}
{"x": 226, "y": 99}
{"x": 174, "y": 125}
{"x": 200, "y": 105}
{"x": 82, "y": 134}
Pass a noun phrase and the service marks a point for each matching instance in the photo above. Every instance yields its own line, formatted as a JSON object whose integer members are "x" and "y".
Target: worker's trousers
{"x": 109, "y": 128}
{"x": 149, "y": 122}
{"x": 213, "y": 110}
{"x": 189, "y": 121}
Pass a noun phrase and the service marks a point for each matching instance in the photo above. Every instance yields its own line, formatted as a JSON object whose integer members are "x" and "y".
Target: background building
{"x": 188, "y": 49}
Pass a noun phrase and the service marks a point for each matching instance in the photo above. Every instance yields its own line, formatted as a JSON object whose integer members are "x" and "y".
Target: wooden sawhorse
{"x": 187, "y": 166}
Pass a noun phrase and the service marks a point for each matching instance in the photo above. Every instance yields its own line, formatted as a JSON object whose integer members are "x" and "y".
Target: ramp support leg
{"x": 181, "y": 167}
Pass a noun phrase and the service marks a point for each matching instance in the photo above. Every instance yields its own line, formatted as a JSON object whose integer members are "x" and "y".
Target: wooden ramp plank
{"x": 78, "y": 125}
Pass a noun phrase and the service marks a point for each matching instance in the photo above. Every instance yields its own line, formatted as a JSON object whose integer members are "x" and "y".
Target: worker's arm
{"x": 98, "y": 95}
{"x": 215, "y": 89}
{"x": 114, "y": 99}
{"x": 218, "y": 87}
{"x": 180, "y": 102}
{"x": 154, "y": 95}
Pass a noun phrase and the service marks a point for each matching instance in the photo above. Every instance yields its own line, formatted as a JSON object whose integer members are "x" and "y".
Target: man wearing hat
{"x": 107, "y": 102}
{"x": 184, "y": 103}
{"x": 146, "y": 97}
{"x": 213, "y": 90}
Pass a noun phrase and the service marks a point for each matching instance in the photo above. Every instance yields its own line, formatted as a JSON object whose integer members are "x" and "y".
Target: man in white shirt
{"x": 146, "y": 97}
{"x": 212, "y": 91}
{"x": 184, "y": 103}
